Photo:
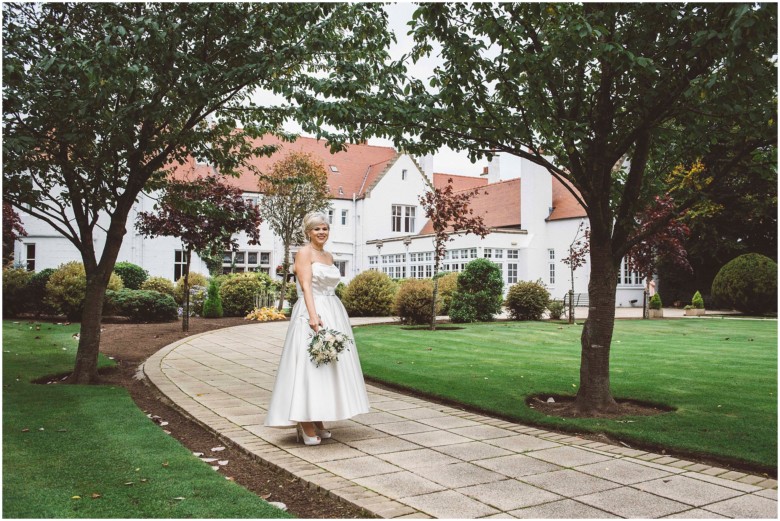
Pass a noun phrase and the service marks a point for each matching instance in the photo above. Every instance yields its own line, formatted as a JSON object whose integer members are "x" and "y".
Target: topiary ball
{"x": 748, "y": 284}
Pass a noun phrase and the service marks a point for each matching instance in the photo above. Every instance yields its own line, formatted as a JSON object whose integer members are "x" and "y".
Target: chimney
{"x": 426, "y": 163}
{"x": 493, "y": 169}
{"x": 484, "y": 170}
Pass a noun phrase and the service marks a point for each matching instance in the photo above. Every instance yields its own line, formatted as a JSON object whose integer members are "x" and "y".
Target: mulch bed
{"x": 132, "y": 344}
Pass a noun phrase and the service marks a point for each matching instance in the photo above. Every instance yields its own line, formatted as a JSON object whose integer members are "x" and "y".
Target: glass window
{"x": 488, "y": 253}
{"x": 512, "y": 254}
{"x": 179, "y": 264}
{"x": 499, "y": 254}
{"x": 252, "y": 257}
{"x": 511, "y": 273}
{"x": 330, "y": 216}
{"x": 238, "y": 258}
{"x": 30, "y": 254}
{"x": 265, "y": 258}
{"x": 343, "y": 217}
{"x": 552, "y": 254}
{"x": 403, "y": 175}
{"x": 342, "y": 266}
{"x": 552, "y": 273}
{"x": 403, "y": 218}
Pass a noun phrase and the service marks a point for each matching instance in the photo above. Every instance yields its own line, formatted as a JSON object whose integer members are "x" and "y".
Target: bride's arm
{"x": 303, "y": 271}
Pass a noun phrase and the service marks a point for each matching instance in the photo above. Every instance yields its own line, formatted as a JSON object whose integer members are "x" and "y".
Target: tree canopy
{"x": 101, "y": 100}
{"x": 609, "y": 98}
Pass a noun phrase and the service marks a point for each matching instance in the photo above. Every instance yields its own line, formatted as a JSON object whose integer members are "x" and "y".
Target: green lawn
{"x": 64, "y": 443}
{"x": 720, "y": 375}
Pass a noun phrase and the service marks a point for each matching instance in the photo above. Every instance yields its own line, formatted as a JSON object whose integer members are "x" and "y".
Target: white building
{"x": 377, "y": 222}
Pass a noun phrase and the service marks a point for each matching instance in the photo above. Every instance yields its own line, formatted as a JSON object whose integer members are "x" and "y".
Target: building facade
{"x": 378, "y": 223}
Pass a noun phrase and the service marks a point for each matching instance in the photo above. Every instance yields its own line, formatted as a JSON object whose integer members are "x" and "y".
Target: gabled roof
{"x": 565, "y": 206}
{"x": 357, "y": 168}
{"x": 497, "y": 203}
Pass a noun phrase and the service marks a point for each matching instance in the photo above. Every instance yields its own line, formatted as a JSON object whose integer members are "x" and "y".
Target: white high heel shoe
{"x": 307, "y": 440}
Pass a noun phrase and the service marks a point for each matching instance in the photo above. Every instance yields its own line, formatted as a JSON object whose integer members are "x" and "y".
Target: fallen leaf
{"x": 144, "y": 480}
{"x": 179, "y": 498}
{"x": 165, "y": 464}
{"x": 129, "y": 483}
{"x": 230, "y": 478}
{"x": 62, "y": 430}
{"x": 40, "y": 428}
{"x": 138, "y": 469}
{"x": 25, "y": 430}
{"x": 95, "y": 495}
{"x": 76, "y": 497}
{"x": 266, "y": 496}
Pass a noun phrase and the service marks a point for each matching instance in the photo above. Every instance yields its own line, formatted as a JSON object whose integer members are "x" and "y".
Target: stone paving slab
{"x": 409, "y": 458}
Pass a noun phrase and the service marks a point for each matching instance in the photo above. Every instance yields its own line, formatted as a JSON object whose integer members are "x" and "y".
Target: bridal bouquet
{"x": 326, "y": 344}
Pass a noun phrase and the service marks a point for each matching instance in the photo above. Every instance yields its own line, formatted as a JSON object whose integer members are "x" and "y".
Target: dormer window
{"x": 334, "y": 168}
{"x": 341, "y": 191}
{"x": 403, "y": 175}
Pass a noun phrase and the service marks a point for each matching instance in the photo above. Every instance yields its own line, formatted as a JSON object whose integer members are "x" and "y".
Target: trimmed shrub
{"x": 414, "y": 301}
{"x": 143, "y": 305}
{"x": 748, "y": 284}
{"x": 292, "y": 293}
{"x": 15, "y": 282}
{"x": 448, "y": 285}
{"x": 159, "y": 284}
{"x": 212, "y": 306}
{"x": 195, "y": 279}
{"x": 36, "y": 292}
{"x": 370, "y": 294}
{"x": 555, "y": 307}
{"x": 132, "y": 275}
{"x": 67, "y": 288}
{"x": 238, "y": 292}
{"x": 527, "y": 300}
{"x": 480, "y": 292}
{"x": 655, "y": 302}
{"x": 340, "y": 287}
{"x": 697, "y": 302}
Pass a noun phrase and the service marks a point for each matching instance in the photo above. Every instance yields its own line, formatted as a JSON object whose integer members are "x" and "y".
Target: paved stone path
{"x": 413, "y": 458}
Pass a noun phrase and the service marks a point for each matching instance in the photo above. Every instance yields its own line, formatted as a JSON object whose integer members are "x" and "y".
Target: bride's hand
{"x": 315, "y": 323}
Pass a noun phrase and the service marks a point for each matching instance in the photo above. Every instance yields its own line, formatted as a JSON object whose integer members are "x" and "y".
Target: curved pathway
{"x": 413, "y": 458}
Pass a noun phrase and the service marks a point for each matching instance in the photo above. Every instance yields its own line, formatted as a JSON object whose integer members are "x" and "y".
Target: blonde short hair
{"x": 313, "y": 219}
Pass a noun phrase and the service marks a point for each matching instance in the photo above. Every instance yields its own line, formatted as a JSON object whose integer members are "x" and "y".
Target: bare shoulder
{"x": 304, "y": 254}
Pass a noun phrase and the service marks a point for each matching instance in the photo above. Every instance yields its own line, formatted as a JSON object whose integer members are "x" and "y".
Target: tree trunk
{"x": 435, "y": 292}
{"x": 285, "y": 271}
{"x": 594, "y": 394}
{"x": 85, "y": 370}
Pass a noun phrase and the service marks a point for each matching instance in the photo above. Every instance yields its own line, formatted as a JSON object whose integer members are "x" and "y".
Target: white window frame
{"x": 30, "y": 262}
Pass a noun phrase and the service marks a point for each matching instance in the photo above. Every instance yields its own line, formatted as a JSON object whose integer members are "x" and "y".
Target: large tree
{"x": 100, "y": 99}
{"x": 294, "y": 186}
{"x": 205, "y": 214}
{"x": 607, "y": 97}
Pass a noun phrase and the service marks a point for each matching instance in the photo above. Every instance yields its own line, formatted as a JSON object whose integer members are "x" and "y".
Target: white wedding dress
{"x": 304, "y": 392}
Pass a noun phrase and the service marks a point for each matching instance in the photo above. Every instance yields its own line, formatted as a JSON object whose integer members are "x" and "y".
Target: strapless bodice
{"x": 324, "y": 279}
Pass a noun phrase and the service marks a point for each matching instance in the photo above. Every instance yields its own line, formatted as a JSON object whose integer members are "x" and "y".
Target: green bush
{"x": 748, "y": 284}
{"x": 527, "y": 300}
{"x": 238, "y": 292}
{"x": 132, "y": 275}
{"x": 655, "y": 302}
{"x": 370, "y": 294}
{"x": 697, "y": 302}
{"x": 292, "y": 293}
{"x": 195, "y": 279}
{"x": 143, "y": 305}
{"x": 212, "y": 307}
{"x": 67, "y": 288}
{"x": 414, "y": 301}
{"x": 480, "y": 292}
{"x": 159, "y": 284}
{"x": 36, "y": 292}
{"x": 555, "y": 307}
{"x": 448, "y": 285}
{"x": 340, "y": 287}
{"x": 15, "y": 282}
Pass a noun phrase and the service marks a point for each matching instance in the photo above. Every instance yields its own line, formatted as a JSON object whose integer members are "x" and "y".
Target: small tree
{"x": 663, "y": 239}
{"x": 295, "y": 186}
{"x": 12, "y": 231}
{"x": 577, "y": 257}
{"x": 450, "y": 214}
{"x": 204, "y": 214}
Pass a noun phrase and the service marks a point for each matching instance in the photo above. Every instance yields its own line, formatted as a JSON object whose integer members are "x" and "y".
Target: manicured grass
{"x": 62, "y": 441}
{"x": 720, "y": 375}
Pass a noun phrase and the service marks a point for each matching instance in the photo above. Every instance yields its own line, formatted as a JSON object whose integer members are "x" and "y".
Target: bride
{"x": 305, "y": 395}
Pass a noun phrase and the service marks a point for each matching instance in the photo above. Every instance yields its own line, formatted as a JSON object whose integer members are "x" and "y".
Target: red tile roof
{"x": 459, "y": 182}
{"x": 565, "y": 206}
{"x": 359, "y": 167}
{"x": 497, "y": 203}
